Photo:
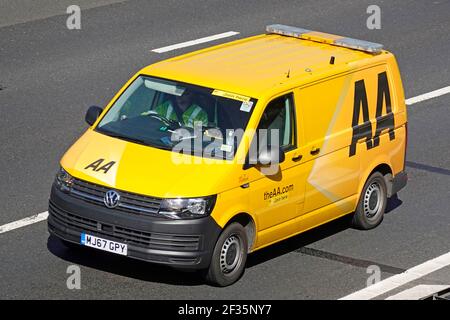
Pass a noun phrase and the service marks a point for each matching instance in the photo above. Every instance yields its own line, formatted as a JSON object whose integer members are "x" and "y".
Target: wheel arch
{"x": 385, "y": 169}
{"x": 247, "y": 221}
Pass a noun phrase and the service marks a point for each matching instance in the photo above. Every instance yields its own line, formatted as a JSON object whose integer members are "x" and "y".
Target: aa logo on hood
{"x": 97, "y": 166}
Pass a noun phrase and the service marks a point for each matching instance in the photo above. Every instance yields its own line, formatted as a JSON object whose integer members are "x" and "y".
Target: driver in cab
{"x": 183, "y": 109}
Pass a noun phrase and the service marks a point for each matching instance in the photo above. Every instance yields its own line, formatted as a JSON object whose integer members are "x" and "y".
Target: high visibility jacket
{"x": 191, "y": 115}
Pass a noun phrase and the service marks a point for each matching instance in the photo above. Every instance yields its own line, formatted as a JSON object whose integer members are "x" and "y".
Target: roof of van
{"x": 255, "y": 65}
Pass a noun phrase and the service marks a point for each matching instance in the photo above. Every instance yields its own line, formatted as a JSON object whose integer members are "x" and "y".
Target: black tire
{"x": 229, "y": 256}
{"x": 372, "y": 203}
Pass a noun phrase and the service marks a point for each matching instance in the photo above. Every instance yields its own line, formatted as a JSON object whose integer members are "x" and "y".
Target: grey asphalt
{"x": 49, "y": 75}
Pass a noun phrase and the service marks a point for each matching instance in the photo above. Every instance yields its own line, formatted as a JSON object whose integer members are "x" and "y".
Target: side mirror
{"x": 271, "y": 156}
{"x": 92, "y": 114}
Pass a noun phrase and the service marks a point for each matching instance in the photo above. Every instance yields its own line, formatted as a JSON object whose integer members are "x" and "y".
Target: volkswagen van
{"x": 204, "y": 158}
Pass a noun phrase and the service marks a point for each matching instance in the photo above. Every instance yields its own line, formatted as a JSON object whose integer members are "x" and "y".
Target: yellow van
{"x": 206, "y": 157}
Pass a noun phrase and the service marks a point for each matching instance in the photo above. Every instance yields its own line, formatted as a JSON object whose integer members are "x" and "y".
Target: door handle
{"x": 315, "y": 151}
{"x": 297, "y": 158}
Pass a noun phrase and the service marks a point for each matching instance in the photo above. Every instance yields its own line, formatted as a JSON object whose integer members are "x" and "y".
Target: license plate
{"x": 103, "y": 244}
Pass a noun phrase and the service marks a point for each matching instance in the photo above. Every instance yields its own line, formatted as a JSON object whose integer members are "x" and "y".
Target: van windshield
{"x": 180, "y": 117}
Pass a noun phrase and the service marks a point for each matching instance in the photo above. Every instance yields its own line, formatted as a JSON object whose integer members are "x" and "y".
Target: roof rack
{"x": 321, "y": 37}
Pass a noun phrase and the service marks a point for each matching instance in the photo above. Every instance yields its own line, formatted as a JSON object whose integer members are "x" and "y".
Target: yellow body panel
{"x": 320, "y": 187}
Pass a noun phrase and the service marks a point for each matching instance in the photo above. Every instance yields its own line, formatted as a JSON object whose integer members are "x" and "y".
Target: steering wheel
{"x": 169, "y": 122}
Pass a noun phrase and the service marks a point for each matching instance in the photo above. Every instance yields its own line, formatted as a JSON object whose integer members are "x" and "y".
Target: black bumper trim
{"x": 399, "y": 182}
{"x": 185, "y": 244}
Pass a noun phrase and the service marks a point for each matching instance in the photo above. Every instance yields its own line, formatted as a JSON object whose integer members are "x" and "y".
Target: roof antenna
{"x": 288, "y": 73}
{"x": 332, "y": 60}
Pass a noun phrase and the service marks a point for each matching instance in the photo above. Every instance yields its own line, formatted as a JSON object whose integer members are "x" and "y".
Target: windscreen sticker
{"x": 246, "y": 106}
{"x": 226, "y": 148}
{"x": 214, "y": 133}
{"x": 230, "y": 95}
{"x": 166, "y": 141}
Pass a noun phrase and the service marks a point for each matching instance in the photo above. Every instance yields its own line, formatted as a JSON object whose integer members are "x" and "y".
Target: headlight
{"x": 63, "y": 180}
{"x": 180, "y": 208}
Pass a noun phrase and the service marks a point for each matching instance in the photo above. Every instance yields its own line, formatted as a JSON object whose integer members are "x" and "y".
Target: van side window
{"x": 277, "y": 124}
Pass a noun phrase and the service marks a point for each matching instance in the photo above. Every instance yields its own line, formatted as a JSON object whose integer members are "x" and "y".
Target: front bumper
{"x": 185, "y": 244}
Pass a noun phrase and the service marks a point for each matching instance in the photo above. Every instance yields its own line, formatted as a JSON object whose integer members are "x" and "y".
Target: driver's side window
{"x": 277, "y": 124}
{"x": 138, "y": 103}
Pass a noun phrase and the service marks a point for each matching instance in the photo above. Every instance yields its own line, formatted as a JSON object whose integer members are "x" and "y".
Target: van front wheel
{"x": 229, "y": 256}
{"x": 372, "y": 203}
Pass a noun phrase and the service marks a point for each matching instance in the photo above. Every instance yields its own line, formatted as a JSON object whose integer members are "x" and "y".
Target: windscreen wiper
{"x": 123, "y": 137}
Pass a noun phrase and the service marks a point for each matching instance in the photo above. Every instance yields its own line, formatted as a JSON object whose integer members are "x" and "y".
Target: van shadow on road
{"x": 299, "y": 242}
{"x": 149, "y": 272}
{"x": 122, "y": 266}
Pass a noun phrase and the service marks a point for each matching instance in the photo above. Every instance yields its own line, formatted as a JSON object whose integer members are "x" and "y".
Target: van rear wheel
{"x": 229, "y": 256}
{"x": 372, "y": 203}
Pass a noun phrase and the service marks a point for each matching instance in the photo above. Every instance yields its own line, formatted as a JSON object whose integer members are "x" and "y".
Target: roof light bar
{"x": 357, "y": 44}
{"x": 287, "y": 30}
{"x": 306, "y": 34}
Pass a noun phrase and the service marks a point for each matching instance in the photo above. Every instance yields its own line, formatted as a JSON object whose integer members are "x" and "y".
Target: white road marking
{"x": 429, "y": 95}
{"x": 418, "y": 292}
{"x": 23, "y": 222}
{"x": 197, "y": 41}
{"x": 400, "y": 279}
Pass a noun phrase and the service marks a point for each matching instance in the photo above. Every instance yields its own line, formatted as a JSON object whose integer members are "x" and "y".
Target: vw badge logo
{"x": 111, "y": 199}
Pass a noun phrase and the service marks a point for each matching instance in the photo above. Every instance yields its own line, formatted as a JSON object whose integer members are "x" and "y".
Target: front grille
{"x": 150, "y": 240}
{"x": 129, "y": 202}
